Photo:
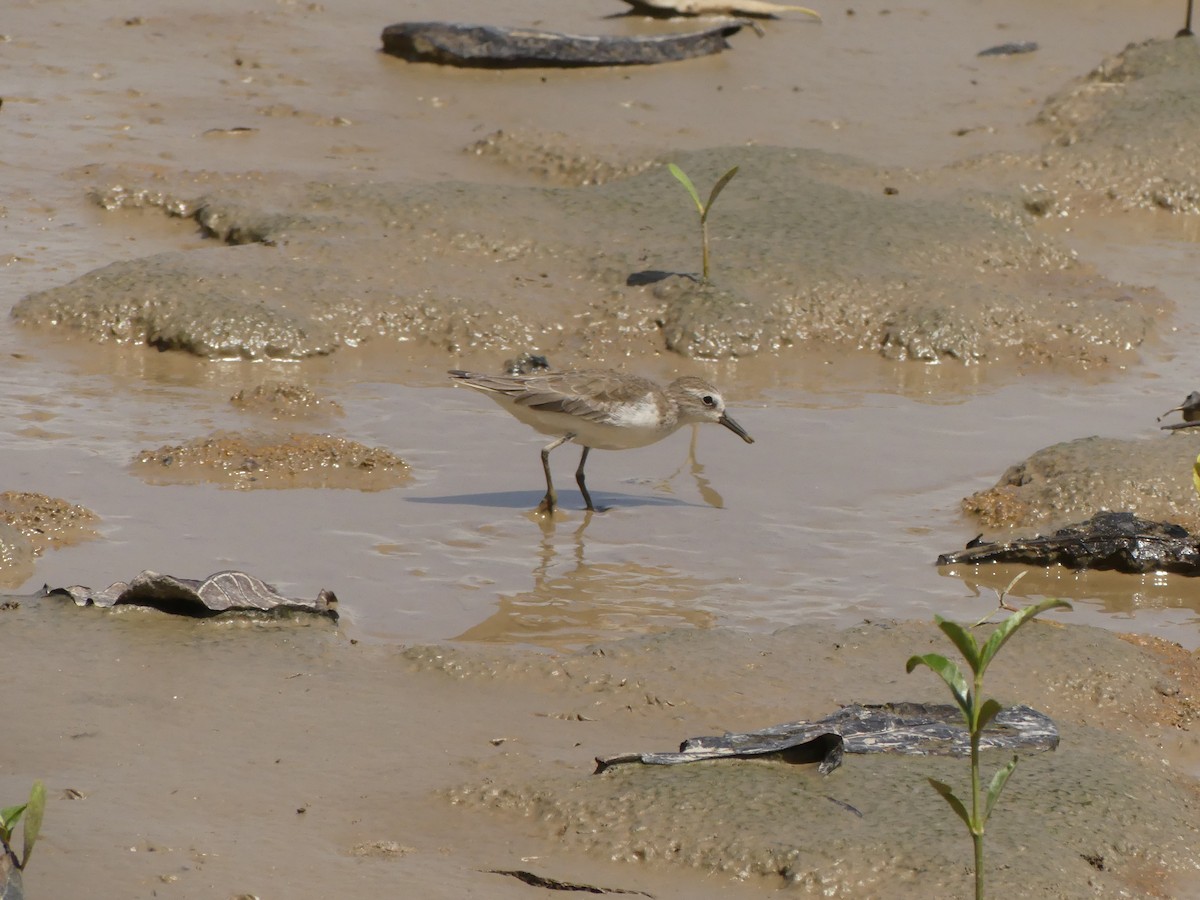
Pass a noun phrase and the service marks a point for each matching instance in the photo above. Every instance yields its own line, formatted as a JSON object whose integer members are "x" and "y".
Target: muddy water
{"x": 833, "y": 516}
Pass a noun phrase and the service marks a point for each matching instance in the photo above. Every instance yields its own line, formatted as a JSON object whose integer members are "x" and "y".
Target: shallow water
{"x": 833, "y": 516}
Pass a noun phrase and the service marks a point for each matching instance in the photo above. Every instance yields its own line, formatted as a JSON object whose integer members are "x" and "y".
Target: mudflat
{"x": 244, "y": 247}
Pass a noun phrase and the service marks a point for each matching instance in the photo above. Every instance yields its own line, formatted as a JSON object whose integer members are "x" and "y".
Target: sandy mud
{"x": 930, "y": 265}
{"x": 281, "y": 399}
{"x": 33, "y": 523}
{"x": 1073, "y": 481}
{"x": 1121, "y": 133}
{"x": 255, "y": 461}
{"x": 813, "y": 249}
{"x": 391, "y": 800}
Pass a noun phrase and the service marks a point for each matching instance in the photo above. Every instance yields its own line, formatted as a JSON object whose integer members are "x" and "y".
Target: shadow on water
{"x": 530, "y": 500}
{"x": 568, "y": 501}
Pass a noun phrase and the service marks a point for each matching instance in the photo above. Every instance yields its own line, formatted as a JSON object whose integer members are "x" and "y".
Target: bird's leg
{"x": 587, "y": 498}
{"x": 551, "y": 499}
{"x": 1186, "y": 30}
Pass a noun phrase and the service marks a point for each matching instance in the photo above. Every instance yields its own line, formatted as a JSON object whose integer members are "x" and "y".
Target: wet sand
{"x": 197, "y": 745}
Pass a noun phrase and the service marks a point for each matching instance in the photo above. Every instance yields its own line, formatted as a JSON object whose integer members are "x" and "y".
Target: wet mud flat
{"x": 226, "y": 758}
{"x": 814, "y": 249}
{"x": 507, "y": 756}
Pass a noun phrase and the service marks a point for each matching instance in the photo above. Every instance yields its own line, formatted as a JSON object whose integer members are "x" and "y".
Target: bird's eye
{"x": 708, "y": 400}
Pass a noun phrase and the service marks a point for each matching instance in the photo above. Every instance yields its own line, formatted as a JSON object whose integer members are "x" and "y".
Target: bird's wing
{"x": 585, "y": 395}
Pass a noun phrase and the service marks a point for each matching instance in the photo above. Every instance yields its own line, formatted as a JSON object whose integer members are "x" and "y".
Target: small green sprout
{"x": 977, "y": 715}
{"x": 703, "y": 208}
{"x": 32, "y": 810}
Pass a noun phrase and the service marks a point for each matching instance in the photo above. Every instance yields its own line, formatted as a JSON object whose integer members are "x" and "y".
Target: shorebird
{"x": 605, "y": 410}
{"x": 1189, "y": 407}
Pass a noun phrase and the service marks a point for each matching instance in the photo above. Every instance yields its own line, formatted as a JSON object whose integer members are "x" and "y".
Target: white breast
{"x": 643, "y": 414}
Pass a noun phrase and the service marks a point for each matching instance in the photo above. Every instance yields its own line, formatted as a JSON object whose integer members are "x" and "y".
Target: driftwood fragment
{"x": 914, "y": 729}
{"x": 1108, "y": 540}
{"x": 553, "y": 884}
{"x": 1015, "y": 48}
{"x": 495, "y": 47}
{"x": 756, "y": 8}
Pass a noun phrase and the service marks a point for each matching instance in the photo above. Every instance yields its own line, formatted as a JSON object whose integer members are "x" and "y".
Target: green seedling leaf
{"x": 703, "y": 209}
{"x": 997, "y": 785}
{"x": 9, "y": 816}
{"x": 1008, "y": 627}
{"x": 33, "y": 819}
{"x": 950, "y": 673}
{"x": 979, "y": 713}
{"x": 988, "y": 711}
{"x": 1196, "y": 474}
{"x": 955, "y": 804}
{"x": 682, "y": 178}
{"x": 717, "y": 188}
{"x": 962, "y": 639}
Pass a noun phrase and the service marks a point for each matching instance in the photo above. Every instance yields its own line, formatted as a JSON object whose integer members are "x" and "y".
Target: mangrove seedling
{"x": 32, "y": 810}
{"x": 977, "y": 714}
{"x": 703, "y": 208}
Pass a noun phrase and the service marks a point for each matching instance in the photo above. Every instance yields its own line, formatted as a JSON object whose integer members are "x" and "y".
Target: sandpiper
{"x": 1189, "y": 407}
{"x": 603, "y": 409}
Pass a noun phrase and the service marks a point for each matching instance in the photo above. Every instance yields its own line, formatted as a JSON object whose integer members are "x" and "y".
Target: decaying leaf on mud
{"x": 223, "y": 592}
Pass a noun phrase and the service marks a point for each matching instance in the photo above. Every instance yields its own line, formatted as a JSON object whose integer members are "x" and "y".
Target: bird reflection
{"x": 695, "y": 468}
{"x": 574, "y": 602}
